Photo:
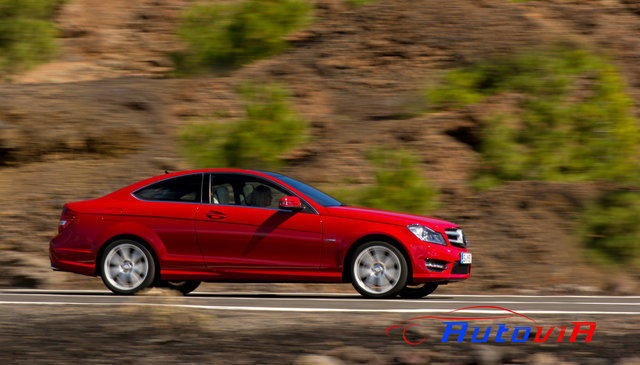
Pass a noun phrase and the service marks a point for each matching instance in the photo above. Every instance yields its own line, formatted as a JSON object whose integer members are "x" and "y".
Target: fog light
{"x": 436, "y": 265}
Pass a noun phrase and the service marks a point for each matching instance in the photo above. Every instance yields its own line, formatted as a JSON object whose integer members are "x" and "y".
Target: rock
{"x": 596, "y": 361}
{"x": 630, "y": 361}
{"x": 543, "y": 359}
{"x": 356, "y": 354}
{"x": 416, "y": 334}
{"x": 528, "y": 291}
{"x": 622, "y": 286}
{"x": 165, "y": 163}
{"x": 317, "y": 360}
{"x": 4, "y": 125}
{"x": 575, "y": 289}
{"x": 56, "y": 203}
{"x": 328, "y": 66}
{"x": 302, "y": 36}
{"x": 25, "y": 270}
{"x": 74, "y": 32}
{"x": 487, "y": 355}
{"x": 412, "y": 358}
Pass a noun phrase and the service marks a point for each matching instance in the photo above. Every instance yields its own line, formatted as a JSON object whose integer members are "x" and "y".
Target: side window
{"x": 222, "y": 193}
{"x": 261, "y": 194}
{"x": 179, "y": 189}
{"x": 244, "y": 190}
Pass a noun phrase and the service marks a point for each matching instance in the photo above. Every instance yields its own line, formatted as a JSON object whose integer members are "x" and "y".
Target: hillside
{"x": 105, "y": 113}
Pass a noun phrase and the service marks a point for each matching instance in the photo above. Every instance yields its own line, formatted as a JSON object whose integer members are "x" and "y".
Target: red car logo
{"x": 457, "y": 326}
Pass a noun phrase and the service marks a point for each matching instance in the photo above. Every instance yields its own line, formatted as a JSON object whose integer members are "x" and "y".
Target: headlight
{"x": 427, "y": 234}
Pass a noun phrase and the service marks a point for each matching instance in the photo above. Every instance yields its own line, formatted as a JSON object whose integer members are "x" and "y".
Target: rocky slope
{"x": 103, "y": 115}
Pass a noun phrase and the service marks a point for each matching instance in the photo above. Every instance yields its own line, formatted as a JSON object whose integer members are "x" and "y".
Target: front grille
{"x": 456, "y": 237}
{"x": 460, "y": 269}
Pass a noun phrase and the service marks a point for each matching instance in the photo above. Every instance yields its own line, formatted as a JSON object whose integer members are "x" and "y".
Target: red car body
{"x": 213, "y": 242}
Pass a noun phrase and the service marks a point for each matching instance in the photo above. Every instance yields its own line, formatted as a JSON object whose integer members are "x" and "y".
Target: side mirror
{"x": 290, "y": 203}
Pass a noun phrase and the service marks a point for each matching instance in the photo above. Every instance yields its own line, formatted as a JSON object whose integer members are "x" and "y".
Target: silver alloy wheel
{"x": 126, "y": 266}
{"x": 377, "y": 269}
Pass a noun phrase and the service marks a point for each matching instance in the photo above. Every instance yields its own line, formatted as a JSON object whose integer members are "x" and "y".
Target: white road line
{"x": 420, "y": 301}
{"x": 536, "y": 296}
{"x": 431, "y": 301}
{"x": 55, "y": 290}
{"x": 261, "y": 293}
{"x": 294, "y": 309}
{"x": 354, "y": 300}
{"x": 265, "y": 293}
{"x": 431, "y": 295}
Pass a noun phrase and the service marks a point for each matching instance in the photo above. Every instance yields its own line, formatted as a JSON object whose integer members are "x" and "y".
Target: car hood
{"x": 383, "y": 216}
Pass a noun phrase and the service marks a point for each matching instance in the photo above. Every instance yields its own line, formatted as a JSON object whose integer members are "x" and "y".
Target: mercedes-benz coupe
{"x": 228, "y": 225}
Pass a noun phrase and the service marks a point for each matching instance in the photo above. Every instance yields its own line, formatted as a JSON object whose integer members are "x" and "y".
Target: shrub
{"x": 358, "y": 2}
{"x": 398, "y": 185}
{"x": 26, "y": 34}
{"x": 228, "y": 35}
{"x": 611, "y": 228}
{"x": 574, "y": 123}
{"x": 269, "y": 129}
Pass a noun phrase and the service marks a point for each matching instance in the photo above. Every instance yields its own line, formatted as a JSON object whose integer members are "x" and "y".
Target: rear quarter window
{"x": 178, "y": 189}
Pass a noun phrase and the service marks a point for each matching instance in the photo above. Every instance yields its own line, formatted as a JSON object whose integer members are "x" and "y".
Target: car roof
{"x": 128, "y": 190}
{"x": 167, "y": 175}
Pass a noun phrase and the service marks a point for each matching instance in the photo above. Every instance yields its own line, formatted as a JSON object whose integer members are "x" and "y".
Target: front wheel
{"x": 417, "y": 291}
{"x": 127, "y": 267}
{"x": 379, "y": 270}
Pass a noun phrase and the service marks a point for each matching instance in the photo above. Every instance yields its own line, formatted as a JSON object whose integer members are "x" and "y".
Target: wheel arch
{"x": 348, "y": 257}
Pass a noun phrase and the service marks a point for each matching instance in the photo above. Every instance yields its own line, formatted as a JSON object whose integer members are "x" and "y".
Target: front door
{"x": 242, "y": 230}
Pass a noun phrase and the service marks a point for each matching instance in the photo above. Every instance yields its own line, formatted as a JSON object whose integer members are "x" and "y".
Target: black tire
{"x": 395, "y": 261}
{"x": 146, "y": 257}
{"x": 417, "y": 291}
{"x": 184, "y": 287}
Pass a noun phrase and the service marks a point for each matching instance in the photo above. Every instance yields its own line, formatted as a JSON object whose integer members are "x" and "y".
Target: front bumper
{"x": 437, "y": 263}
{"x": 455, "y": 272}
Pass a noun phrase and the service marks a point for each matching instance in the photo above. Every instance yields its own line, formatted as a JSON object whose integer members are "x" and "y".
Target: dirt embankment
{"x": 102, "y": 115}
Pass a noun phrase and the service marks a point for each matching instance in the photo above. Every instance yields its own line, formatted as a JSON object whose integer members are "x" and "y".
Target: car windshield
{"x": 313, "y": 193}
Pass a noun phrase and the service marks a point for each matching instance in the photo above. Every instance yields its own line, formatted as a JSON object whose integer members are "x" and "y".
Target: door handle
{"x": 212, "y": 214}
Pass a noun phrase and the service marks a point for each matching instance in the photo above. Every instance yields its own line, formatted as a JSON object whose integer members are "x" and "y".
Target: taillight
{"x": 66, "y": 219}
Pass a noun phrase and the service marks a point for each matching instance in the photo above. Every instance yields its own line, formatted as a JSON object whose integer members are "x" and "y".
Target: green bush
{"x": 358, "y": 2}
{"x": 611, "y": 228}
{"x": 269, "y": 129}
{"x": 574, "y": 120}
{"x": 27, "y": 36}
{"x": 398, "y": 185}
{"x": 229, "y": 35}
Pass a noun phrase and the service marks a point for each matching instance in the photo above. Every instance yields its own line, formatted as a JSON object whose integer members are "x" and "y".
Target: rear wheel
{"x": 417, "y": 291}
{"x": 378, "y": 270}
{"x": 127, "y": 267}
{"x": 185, "y": 287}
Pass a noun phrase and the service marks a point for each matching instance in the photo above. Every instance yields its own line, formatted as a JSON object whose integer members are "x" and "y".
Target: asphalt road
{"x": 332, "y": 302}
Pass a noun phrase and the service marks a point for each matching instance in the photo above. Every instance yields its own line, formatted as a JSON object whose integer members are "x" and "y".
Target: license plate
{"x": 465, "y": 257}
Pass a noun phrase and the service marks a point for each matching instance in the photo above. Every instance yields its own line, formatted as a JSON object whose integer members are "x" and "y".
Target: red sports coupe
{"x": 182, "y": 228}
